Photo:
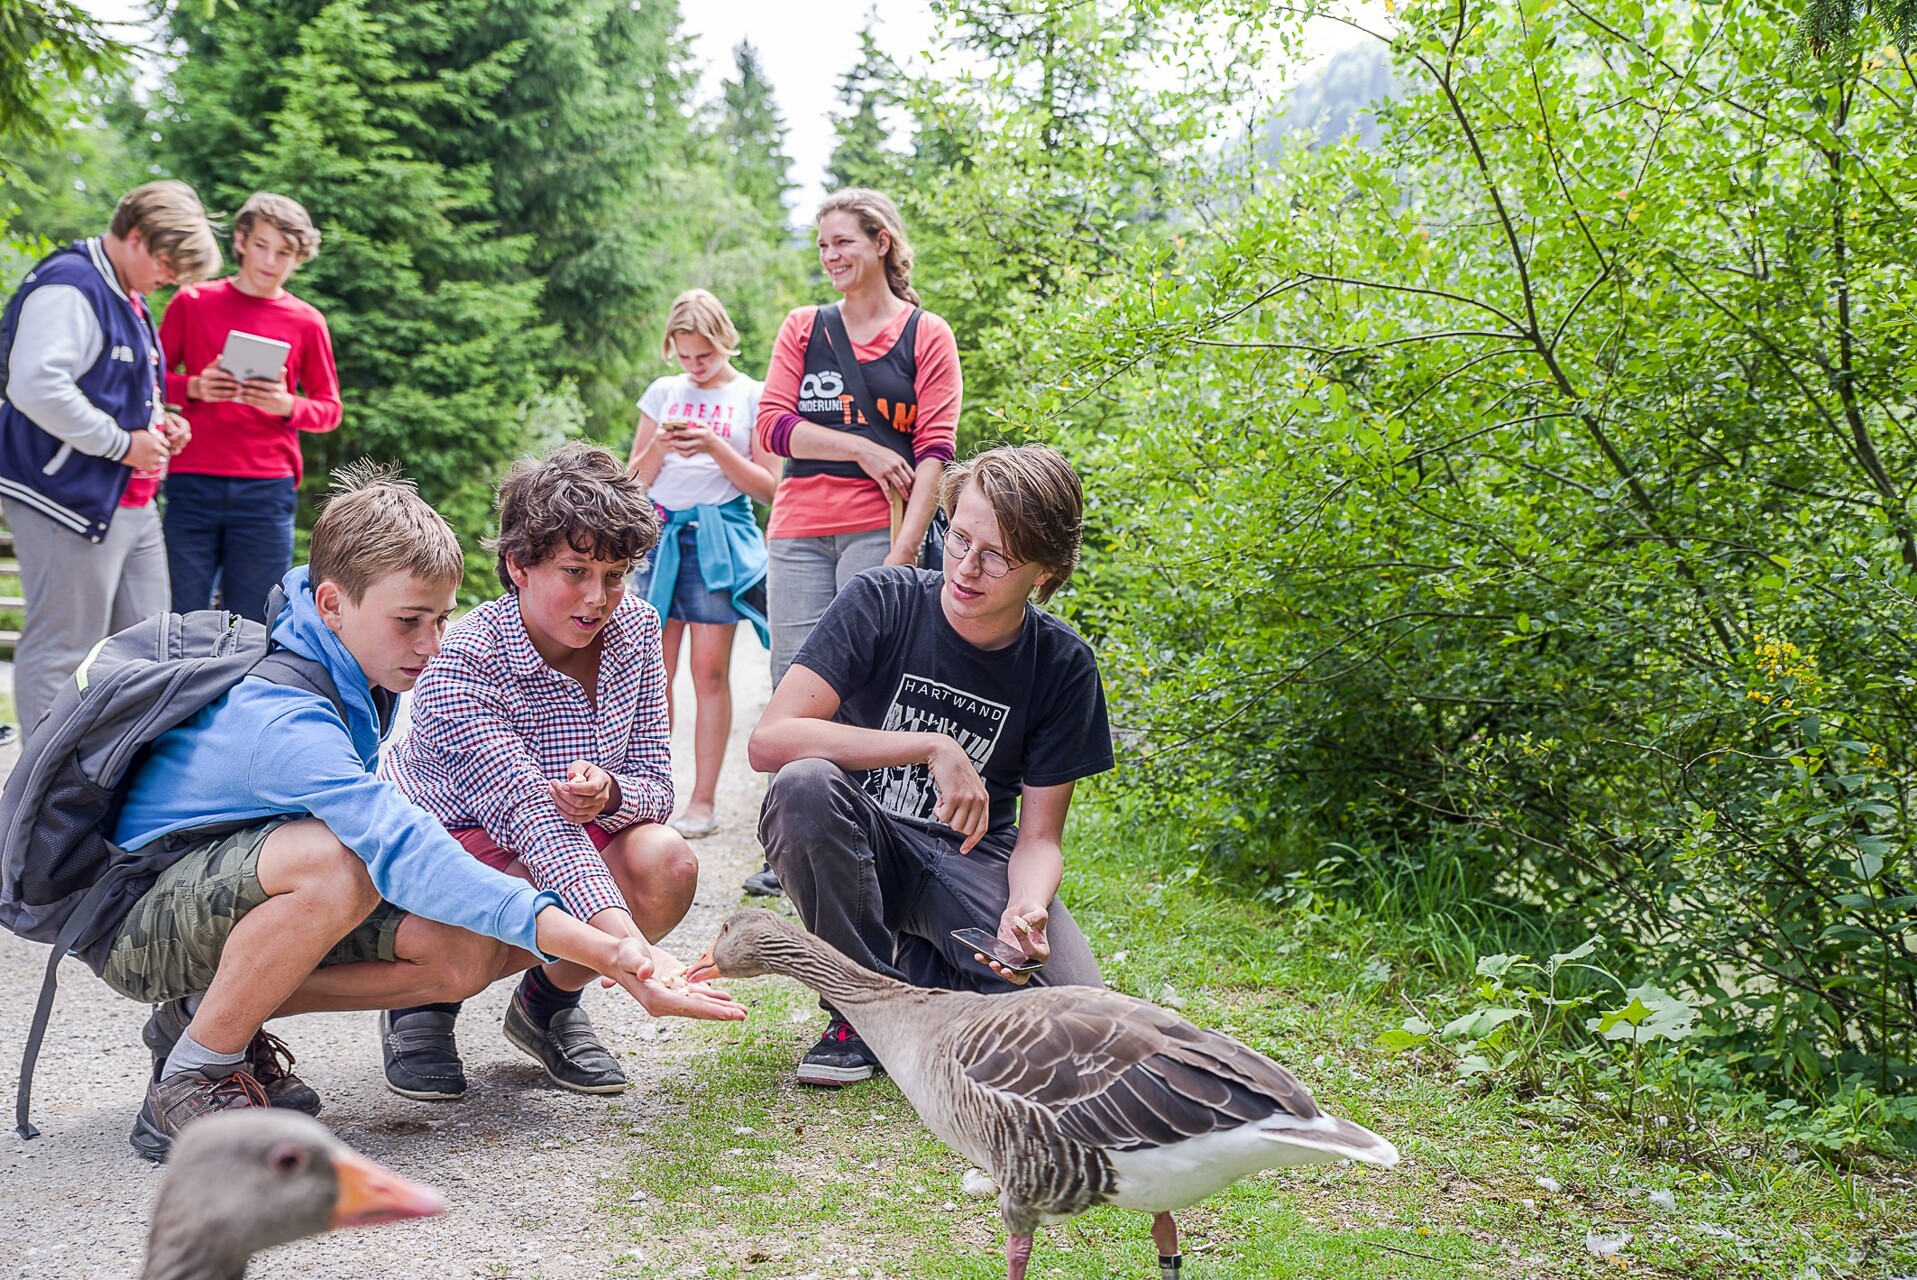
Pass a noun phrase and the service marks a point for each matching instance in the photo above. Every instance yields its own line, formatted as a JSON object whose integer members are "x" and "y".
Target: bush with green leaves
{"x": 1530, "y": 493}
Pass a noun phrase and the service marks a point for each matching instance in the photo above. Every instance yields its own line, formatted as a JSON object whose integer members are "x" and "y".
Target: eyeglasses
{"x": 958, "y": 546}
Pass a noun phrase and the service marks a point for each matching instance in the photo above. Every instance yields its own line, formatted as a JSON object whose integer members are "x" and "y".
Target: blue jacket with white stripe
{"x": 37, "y": 468}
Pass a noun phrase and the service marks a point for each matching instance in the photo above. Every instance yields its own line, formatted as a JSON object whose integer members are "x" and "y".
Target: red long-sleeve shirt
{"x": 234, "y": 439}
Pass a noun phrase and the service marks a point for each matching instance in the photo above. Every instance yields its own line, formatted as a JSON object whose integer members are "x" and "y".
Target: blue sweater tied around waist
{"x": 732, "y": 558}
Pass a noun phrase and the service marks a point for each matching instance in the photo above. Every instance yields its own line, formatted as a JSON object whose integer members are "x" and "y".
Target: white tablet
{"x": 248, "y": 356}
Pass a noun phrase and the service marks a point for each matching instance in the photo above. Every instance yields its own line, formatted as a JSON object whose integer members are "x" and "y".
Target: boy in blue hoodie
{"x": 334, "y": 892}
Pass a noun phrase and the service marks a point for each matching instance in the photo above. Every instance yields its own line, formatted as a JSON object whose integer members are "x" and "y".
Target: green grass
{"x": 750, "y": 1175}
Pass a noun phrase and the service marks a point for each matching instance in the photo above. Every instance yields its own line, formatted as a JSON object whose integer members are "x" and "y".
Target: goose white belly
{"x": 1159, "y": 1179}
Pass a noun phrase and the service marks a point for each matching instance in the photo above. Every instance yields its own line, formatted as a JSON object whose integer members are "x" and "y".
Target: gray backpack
{"x": 62, "y": 879}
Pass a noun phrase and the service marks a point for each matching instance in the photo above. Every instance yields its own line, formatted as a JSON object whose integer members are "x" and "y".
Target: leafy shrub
{"x": 1523, "y": 496}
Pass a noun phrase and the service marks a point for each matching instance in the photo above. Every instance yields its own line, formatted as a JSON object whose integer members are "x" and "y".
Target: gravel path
{"x": 522, "y": 1162}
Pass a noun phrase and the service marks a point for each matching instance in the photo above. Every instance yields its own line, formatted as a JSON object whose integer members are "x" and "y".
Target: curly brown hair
{"x": 581, "y": 495}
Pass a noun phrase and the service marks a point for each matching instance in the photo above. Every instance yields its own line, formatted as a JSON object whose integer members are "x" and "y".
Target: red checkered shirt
{"x": 492, "y": 724}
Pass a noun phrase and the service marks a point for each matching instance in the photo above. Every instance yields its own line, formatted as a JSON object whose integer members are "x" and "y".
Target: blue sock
{"x": 541, "y": 999}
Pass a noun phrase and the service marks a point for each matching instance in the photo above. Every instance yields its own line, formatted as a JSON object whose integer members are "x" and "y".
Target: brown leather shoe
{"x": 267, "y": 1057}
{"x": 175, "y": 1102}
{"x": 271, "y": 1063}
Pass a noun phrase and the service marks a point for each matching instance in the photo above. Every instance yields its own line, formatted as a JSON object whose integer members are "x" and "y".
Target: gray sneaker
{"x": 421, "y": 1058}
{"x": 568, "y": 1048}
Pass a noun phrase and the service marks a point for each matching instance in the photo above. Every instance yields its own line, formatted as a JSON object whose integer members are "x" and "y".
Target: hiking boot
{"x": 422, "y": 1061}
{"x": 840, "y": 1057}
{"x": 568, "y": 1048}
{"x": 175, "y": 1102}
{"x": 268, "y": 1059}
{"x": 764, "y": 883}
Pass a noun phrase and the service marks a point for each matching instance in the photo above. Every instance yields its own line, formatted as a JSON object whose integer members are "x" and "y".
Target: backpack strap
{"x": 43, "y": 1009}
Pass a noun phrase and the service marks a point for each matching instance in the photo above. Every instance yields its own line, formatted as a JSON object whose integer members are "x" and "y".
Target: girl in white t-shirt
{"x": 694, "y": 450}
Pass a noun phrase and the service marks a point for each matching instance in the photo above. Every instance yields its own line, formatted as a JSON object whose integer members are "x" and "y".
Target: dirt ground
{"x": 520, "y": 1161}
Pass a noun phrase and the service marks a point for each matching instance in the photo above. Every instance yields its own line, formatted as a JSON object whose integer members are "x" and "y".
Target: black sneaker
{"x": 840, "y": 1057}
{"x": 268, "y": 1059}
{"x": 568, "y": 1048}
{"x": 764, "y": 883}
{"x": 422, "y": 1061}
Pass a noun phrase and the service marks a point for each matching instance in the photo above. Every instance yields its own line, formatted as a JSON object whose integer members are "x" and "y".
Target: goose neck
{"x": 844, "y": 985}
{"x": 191, "y": 1257}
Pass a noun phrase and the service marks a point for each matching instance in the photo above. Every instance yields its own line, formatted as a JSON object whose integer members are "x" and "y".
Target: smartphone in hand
{"x": 988, "y": 944}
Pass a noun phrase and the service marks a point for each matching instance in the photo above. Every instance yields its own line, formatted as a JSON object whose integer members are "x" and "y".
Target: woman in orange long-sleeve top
{"x": 832, "y": 512}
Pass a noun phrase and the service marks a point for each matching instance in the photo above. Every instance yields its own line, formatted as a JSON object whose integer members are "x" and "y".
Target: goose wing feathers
{"x": 1118, "y": 1073}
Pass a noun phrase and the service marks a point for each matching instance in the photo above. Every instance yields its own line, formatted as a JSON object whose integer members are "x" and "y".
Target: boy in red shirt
{"x": 232, "y": 494}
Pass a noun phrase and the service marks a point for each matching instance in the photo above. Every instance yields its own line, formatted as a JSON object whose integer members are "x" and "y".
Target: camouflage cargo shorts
{"x": 170, "y": 943}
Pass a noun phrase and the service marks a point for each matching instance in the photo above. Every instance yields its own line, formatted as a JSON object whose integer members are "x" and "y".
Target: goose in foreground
{"x": 1067, "y": 1096}
{"x": 245, "y": 1180}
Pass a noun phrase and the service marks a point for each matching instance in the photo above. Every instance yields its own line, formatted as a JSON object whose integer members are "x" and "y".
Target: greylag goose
{"x": 1066, "y": 1096}
{"x": 241, "y": 1181}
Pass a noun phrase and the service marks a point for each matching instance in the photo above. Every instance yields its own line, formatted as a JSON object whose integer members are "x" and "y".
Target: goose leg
{"x": 1018, "y": 1252}
{"x": 1165, "y": 1236}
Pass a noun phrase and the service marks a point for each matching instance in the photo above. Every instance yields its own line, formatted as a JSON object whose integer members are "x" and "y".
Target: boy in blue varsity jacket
{"x": 85, "y": 435}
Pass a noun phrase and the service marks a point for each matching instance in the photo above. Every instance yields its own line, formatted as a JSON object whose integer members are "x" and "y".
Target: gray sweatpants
{"x": 888, "y": 893}
{"x": 78, "y": 593}
{"x": 802, "y": 577}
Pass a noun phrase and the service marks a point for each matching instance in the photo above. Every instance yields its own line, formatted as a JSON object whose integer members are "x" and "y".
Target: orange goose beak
{"x": 704, "y": 970}
{"x": 370, "y": 1193}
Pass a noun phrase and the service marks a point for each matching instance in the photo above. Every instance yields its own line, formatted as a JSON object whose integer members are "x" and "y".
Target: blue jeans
{"x": 229, "y": 533}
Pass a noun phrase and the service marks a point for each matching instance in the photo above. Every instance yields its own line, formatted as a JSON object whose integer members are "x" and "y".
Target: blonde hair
{"x": 173, "y": 223}
{"x": 286, "y": 216}
{"x": 696, "y": 311}
{"x": 1038, "y": 501}
{"x": 376, "y": 524}
{"x": 877, "y": 214}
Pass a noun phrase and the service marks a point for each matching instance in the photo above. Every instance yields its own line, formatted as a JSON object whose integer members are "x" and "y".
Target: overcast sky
{"x": 805, "y": 46}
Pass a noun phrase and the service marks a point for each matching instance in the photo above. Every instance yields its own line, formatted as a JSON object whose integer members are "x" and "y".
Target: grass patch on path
{"x": 751, "y": 1175}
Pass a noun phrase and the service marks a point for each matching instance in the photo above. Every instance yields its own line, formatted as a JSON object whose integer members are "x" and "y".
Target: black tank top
{"x": 890, "y": 380}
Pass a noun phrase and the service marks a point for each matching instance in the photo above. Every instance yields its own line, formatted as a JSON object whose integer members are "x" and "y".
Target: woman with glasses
{"x": 926, "y": 741}
{"x": 851, "y": 456}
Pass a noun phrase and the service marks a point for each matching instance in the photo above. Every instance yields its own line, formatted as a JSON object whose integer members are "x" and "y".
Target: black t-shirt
{"x": 1030, "y": 714}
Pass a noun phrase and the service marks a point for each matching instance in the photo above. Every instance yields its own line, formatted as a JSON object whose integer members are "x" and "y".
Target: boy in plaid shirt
{"x": 540, "y": 739}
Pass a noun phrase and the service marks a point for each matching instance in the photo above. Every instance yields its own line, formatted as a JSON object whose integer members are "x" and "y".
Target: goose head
{"x": 751, "y": 943}
{"x": 242, "y": 1181}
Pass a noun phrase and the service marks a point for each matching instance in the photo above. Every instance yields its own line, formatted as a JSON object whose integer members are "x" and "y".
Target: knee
{"x": 802, "y": 801}
{"x": 656, "y": 859}
{"x": 711, "y": 677}
{"x": 459, "y": 964}
{"x": 317, "y": 863}
{"x": 804, "y": 784}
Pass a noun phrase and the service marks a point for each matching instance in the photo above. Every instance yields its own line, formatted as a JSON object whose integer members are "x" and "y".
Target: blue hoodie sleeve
{"x": 303, "y": 761}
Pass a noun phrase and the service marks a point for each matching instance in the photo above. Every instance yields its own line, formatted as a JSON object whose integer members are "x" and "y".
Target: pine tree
{"x": 861, "y": 156}
{"x": 573, "y": 110}
{"x": 435, "y": 316}
{"x": 752, "y": 137}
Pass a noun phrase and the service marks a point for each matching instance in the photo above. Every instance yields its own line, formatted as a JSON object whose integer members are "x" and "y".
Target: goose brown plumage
{"x": 1067, "y": 1096}
{"x": 241, "y": 1181}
